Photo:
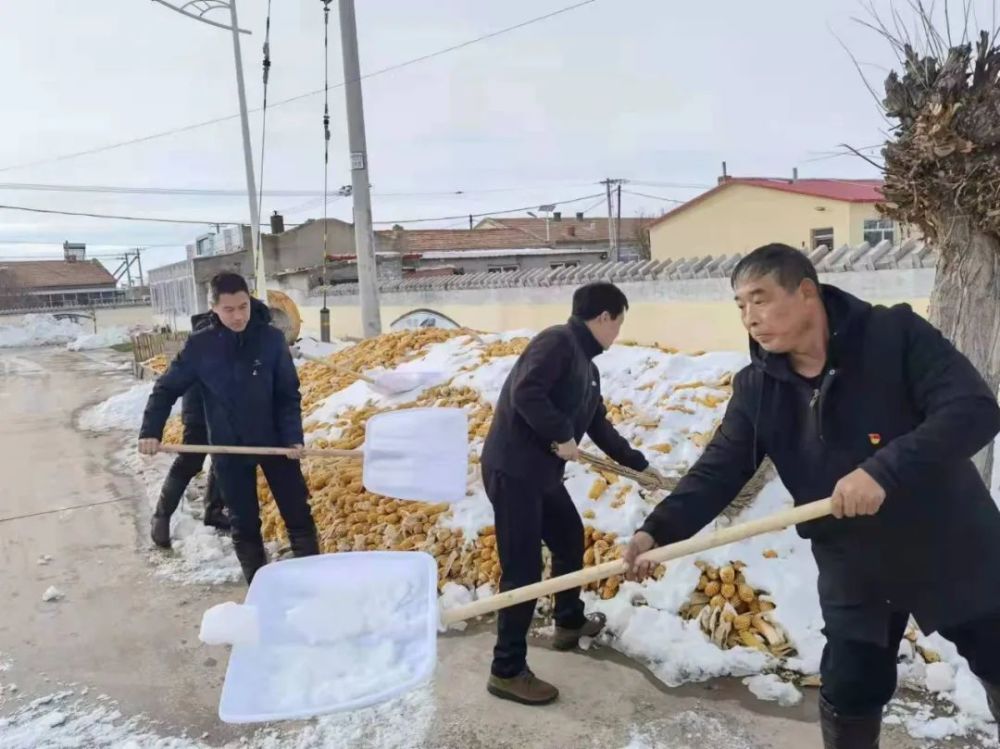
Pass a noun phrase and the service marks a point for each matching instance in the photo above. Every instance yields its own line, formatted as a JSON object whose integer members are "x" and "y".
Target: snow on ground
{"x": 103, "y": 339}
{"x": 46, "y": 330}
{"x": 39, "y": 330}
{"x": 671, "y": 402}
{"x": 311, "y": 347}
{"x": 121, "y": 411}
{"x": 70, "y": 719}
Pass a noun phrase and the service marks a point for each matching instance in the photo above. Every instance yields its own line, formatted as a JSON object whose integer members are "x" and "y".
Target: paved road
{"x": 123, "y": 632}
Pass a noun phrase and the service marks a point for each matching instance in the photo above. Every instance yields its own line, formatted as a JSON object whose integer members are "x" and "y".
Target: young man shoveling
{"x": 872, "y": 407}
{"x": 551, "y": 398}
{"x": 251, "y": 395}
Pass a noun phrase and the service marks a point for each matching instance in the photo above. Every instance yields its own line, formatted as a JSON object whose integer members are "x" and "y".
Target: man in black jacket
{"x": 188, "y": 465}
{"x": 551, "y": 398}
{"x": 873, "y": 407}
{"x": 251, "y": 396}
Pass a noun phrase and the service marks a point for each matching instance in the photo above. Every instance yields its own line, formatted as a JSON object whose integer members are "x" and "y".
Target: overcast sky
{"x": 659, "y": 92}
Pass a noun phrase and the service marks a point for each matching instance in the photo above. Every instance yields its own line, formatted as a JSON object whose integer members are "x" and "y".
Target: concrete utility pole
{"x": 364, "y": 238}
{"x": 614, "y": 251}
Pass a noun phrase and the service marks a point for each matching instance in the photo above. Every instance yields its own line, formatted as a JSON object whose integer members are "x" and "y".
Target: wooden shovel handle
{"x": 240, "y": 450}
{"x": 775, "y": 522}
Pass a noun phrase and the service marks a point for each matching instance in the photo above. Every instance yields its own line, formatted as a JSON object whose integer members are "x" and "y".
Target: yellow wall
{"x": 688, "y": 326}
{"x": 740, "y": 218}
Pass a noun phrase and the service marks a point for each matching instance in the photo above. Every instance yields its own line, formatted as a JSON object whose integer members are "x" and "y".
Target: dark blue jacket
{"x": 898, "y": 400}
{"x": 248, "y": 382}
{"x": 192, "y": 404}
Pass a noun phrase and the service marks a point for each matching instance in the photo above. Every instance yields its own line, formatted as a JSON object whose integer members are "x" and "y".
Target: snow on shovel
{"x": 394, "y": 382}
{"x": 340, "y": 632}
{"x": 409, "y": 454}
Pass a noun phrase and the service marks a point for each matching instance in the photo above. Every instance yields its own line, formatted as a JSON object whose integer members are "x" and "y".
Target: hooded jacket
{"x": 248, "y": 383}
{"x": 899, "y": 401}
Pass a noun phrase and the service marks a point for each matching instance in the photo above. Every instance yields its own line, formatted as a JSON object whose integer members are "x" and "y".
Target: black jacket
{"x": 552, "y": 394}
{"x": 248, "y": 382}
{"x": 898, "y": 400}
{"x": 192, "y": 404}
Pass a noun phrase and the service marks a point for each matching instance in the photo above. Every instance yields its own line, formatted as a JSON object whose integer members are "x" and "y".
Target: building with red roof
{"x": 741, "y": 213}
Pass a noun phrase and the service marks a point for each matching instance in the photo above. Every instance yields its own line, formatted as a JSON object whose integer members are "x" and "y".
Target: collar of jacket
{"x": 584, "y": 337}
{"x": 843, "y": 312}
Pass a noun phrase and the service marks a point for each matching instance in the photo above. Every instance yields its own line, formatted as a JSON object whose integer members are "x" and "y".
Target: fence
{"x": 147, "y": 345}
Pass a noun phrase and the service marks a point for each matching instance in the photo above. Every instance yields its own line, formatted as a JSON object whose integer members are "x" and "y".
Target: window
{"x": 567, "y": 264}
{"x": 501, "y": 268}
{"x": 822, "y": 237}
{"x": 878, "y": 229}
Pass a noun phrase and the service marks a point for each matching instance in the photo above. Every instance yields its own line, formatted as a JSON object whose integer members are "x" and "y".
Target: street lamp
{"x": 198, "y": 10}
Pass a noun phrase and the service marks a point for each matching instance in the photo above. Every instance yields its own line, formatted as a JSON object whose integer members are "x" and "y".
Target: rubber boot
{"x": 170, "y": 498}
{"x": 251, "y": 556}
{"x": 848, "y": 732}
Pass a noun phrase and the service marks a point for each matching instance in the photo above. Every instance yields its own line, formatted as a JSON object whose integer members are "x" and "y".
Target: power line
{"x": 298, "y": 97}
{"x": 655, "y": 197}
{"x": 482, "y": 215}
{"x": 150, "y": 219}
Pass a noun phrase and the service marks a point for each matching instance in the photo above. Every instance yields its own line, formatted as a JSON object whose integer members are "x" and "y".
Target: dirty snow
{"x": 102, "y": 339}
{"x": 39, "y": 330}
{"x": 67, "y": 719}
{"x": 120, "y": 411}
{"x": 772, "y": 688}
{"x": 52, "y": 594}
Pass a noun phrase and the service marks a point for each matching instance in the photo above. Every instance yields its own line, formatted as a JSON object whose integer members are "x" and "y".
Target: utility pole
{"x": 364, "y": 238}
{"x": 614, "y": 251}
{"x": 260, "y": 281}
{"x": 618, "y": 224}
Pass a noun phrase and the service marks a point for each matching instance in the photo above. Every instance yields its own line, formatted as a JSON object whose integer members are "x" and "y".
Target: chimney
{"x": 277, "y": 223}
{"x": 74, "y": 251}
{"x": 795, "y": 174}
{"x": 579, "y": 215}
{"x": 557, "y": 216}
{"x": 570, "y": 231}
{"x": 725, "y": 174}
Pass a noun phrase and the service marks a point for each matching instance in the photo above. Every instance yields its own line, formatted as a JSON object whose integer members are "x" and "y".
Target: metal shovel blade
{"x": 417, "y": 454}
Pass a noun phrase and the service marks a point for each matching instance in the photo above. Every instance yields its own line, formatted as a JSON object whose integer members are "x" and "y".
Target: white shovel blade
{"x": 417, "y": 454}
{"x": 337, "y": 632}
{"x": 398, "y": 382}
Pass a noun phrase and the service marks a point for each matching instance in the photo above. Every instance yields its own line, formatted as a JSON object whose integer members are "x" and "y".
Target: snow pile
{"x": 121, "y": 411}
{"x": 771, "y": 688}
{"x": 312, "y": 347}
{"x": 65, "y": 720}
{"x": 230, "y": 623}
{"x": 103, "y": 339}
{"x": 39, "y": 330}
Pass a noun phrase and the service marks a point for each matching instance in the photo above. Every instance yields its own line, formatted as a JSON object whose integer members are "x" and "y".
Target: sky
{"x": 657, "y": 92}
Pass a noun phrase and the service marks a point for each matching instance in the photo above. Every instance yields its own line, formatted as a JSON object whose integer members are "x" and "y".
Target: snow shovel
{"x": 395, "y": 382}
{"x": 344, "y": 631}
{"x": 409, "y": 454}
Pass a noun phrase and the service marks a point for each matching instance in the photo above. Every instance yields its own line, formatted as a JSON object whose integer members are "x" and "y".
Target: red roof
{"x": 443, "y": 240}
{"x": 844, "y": 190}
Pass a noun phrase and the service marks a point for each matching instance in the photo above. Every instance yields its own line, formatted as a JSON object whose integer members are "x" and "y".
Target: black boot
{"x": 170, "y": 497}
{"x": 993, "y": 697}
{"x": 848, "y": 732}
{"x": 215, "y": 509}
{"x": 251, "y": 555}
{"x": 304, "y": 543}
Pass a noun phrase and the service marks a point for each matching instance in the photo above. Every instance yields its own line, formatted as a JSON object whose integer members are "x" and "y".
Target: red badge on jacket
{"x": 875, "y": 438}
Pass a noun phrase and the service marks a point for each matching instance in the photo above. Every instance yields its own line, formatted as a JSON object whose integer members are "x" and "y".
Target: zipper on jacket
{"x": 816, "y": 402}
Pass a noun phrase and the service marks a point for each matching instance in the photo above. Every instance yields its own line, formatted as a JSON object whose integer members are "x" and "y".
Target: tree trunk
{"x": 965, "y": 306}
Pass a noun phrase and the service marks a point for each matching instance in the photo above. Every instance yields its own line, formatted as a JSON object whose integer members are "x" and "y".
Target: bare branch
{"x": 856, "y": 152}
{"x": 864, "y": 79}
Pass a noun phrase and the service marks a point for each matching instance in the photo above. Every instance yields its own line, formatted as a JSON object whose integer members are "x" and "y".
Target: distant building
{"x": 742, "y": 213}
{"x": 57, "y": 284}
{"x": 591, "y": 232}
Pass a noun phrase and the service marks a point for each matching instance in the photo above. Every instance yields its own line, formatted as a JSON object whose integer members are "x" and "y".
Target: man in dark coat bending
{"x": 251, "y": 395}
{"x": 551, "y": 398}
{"x": 873, "y": 407}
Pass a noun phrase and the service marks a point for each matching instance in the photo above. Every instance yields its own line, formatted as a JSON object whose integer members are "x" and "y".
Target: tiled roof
{"x": 44, "y": 274}
{"x": 570, "y": 229}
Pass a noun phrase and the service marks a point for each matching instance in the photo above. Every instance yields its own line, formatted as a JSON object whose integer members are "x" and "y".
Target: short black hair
{"x": 789, "y": 266}
{"x": 227, "y": 282}
{"x": 591, "y": 299}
